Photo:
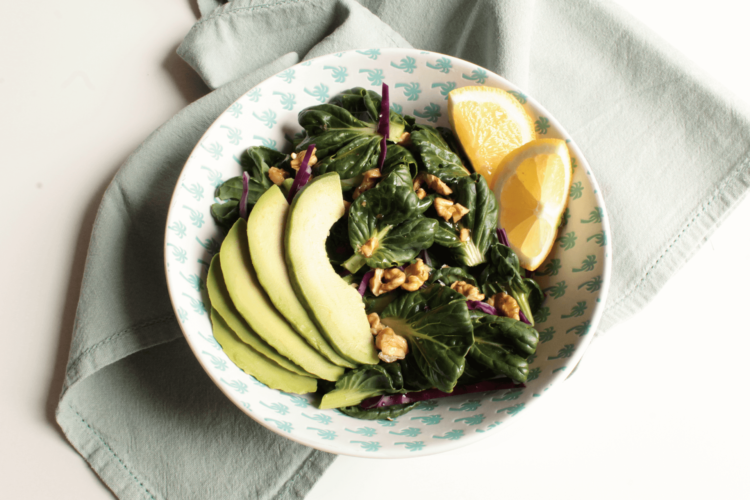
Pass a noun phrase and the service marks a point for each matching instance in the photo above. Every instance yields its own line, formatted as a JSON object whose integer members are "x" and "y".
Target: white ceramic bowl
{"x": 575, "y": 276}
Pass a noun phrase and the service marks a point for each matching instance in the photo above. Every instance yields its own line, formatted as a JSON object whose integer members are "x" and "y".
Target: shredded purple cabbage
{"x": 426, "y": 258}
{"x": 303, "y": 174}
{"x": 503, "y": 237}
{"x": 384, "y": 125}
{"x": 243, "y": 198}
{"x": 481, "y": 306}
{"x": 365, "y": 279}
{"x": 410, "y": 397}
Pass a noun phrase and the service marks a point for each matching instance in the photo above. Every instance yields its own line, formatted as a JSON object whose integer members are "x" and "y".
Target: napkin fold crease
{"x": 669, "y": 147}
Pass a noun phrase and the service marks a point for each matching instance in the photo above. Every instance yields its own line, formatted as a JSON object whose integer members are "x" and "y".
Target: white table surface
{"x": 83, "y": 82}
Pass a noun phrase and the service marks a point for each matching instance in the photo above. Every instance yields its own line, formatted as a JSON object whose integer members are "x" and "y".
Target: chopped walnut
{"x": 277, "y": 175}
{"x": 375, "y": 324}
{"x": 369, "y": 247}
{"x": 416, "y": 275}
{"x": 368, "y": 182}
{"x": 392, "y": 345}
{"x": 405, "y": 139}
{"x": 464, "y": 236}
{"x": 385, "y": 280}
{"x": 298, "y": 157}
{"x": 421, "y": 193}
{"x": 467, "y": 290}
{"x": 448, "y": 209}
{"x": 433, "y": 182}
{"x": 506, "y": 304}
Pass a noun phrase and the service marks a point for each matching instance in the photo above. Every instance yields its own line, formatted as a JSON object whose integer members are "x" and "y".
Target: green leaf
{"x": 385, "y": 413}
{"x": 226, "y": 214}
{"x": 435, "y": 323}
{"x": 364, "y": 382}
{"x": 435, "y": 155}
{"x": 449, "y": 275}
{"x": 516, "y": 335}
{"x": 473, "y": 193}
{"x": 337, "y": 243}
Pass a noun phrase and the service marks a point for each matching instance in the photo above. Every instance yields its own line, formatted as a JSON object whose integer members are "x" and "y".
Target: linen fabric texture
{"x": 668, "y": 146}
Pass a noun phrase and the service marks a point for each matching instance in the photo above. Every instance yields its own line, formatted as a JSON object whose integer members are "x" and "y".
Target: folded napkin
{"x": 668, "y": 147}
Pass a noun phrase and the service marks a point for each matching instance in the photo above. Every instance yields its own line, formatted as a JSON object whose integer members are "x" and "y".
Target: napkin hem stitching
{"x": 79, "y": 358}
{"x": 239, "y": 9}
{"x": 98, "y": 436}
{"x": 719, "y": 189}
{"x": 293, "y": 480}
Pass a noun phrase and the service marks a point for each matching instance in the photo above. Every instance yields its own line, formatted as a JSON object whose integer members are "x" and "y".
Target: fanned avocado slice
{"x": 256, "y": 308}
{"x": 336, "y": 307}
{"x": 220, "y": 300}
{"x": 265, "y": 233}
{"x": 253, "y": 363}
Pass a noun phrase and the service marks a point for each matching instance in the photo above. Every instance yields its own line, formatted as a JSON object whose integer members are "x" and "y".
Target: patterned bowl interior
{"x": 575, "y": 276}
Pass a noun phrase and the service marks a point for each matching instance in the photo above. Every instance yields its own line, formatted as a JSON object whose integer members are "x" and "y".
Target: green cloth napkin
{"x": 668, "y": 147}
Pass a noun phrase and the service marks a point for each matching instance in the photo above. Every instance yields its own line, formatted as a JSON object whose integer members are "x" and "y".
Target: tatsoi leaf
{"x": 363, "y": 382}
{"x": 521, "y": 338}
{"x": 503, "y": 274}
{"x": 450, "y": 139}
{"x": 387, "y": 401}
{"x": 226, "y": 214}
{"x": 366, "y": 105}
{"x": 435, "y": 323}
{"x": 473, "y": 193}
{"x": 354, "y": 158}
{"x": 499, "y": 358}
{"x": 384, "y": 413}
{"x": 255, "y": 161}
{"x": 398, "y": 156}
{"x": 449, "y": 275}
{"x": 388, "y": 214}
{"x": 327, "y": 118}
{"x": 435, "y": 155}
{"x": 384, "y": 125}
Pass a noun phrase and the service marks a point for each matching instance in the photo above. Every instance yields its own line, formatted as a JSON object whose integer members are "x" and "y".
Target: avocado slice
{"x": 220, "y": 300}
{"x": 254, "y": 305}
{"x": 257, "y": 365}
{"x": 265, "y": 233}
{"x": 336, "y": 307}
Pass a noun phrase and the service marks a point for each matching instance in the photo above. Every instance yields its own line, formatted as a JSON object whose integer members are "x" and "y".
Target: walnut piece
{"x": 467, "y": 290}
{"x": 448, "y": 210}
{"x": 421, "y": 193}
{"x": 368, "y": 182}
{"x": 433, "y": 182}
{"x": 392, "y": 345}
{"x": 375, "y": 324}
{"x": 298, "y": 157}
{"x": 386, "y": 280}
{"x": 464, "y": 235}
{"x": 416, "y": 275}
{"x": 506, "y": 305}
{"x": 277, "y": 175}
{"x": 369, "y": 247}
{"x": 405, "y": 139}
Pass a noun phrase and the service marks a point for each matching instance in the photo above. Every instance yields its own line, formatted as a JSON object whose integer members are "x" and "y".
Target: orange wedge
{"x": 532, "y": 193}
{"x": 490, "y": 123}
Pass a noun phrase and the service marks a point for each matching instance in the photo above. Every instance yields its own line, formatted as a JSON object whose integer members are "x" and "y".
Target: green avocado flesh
{"x": 336, "y": 307}
{"x": 257, "y": 365}
{"x": 265, "y": 234}
{"x": 220, "y": 300}
{"x": 254, "y": 305}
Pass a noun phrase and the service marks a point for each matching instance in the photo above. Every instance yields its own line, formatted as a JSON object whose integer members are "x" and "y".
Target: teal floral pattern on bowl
{"x": 575, "y": 277}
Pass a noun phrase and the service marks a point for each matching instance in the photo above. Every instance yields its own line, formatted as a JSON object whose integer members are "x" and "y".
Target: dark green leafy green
{"x": 384, "y": 413}
{"x": 435, "y": 323}
{"x": 387, "y": 214}
{"x": 452, "y": 141}
{"x": 473, "y": 193}
{"x": 256, "y": 161}
{"x": 364, "y": 382}
{"x": 435, "y": 155}
{"x": 337, "y": 243}
{"x": 449, "y": 275}
{"x": 516, "y": 335}
{"x": 503, "y": 274}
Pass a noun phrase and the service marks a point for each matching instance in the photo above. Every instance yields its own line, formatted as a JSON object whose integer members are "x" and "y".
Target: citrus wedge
{"x": 532, "y": 193}
{"x": 490, "y": 123}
